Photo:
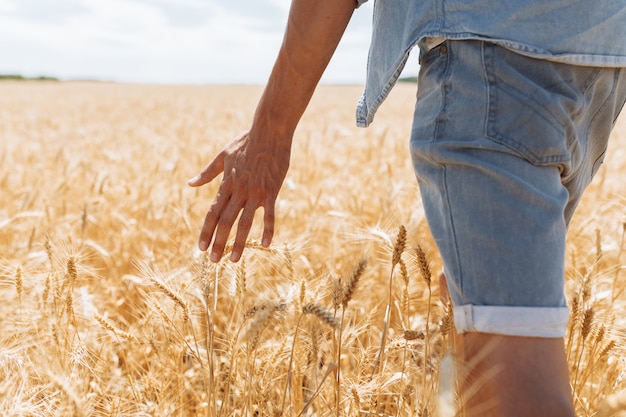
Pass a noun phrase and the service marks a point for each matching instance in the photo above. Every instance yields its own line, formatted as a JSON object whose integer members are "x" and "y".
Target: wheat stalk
{"x": 178, "y": 300}
{"x": 353, "y": 281}
{"x": 115, "y": 330}
{"x": 398, "y": 249}
{"x": 424, "y": 269}
{"x": 321, "y": 313}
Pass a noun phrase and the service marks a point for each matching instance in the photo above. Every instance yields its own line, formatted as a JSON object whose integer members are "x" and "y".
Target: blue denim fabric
{"x": 503, "y": 146}
{"x": 580, "y": 32}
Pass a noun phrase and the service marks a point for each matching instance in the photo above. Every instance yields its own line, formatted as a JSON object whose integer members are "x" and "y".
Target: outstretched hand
{"x": 254, "y": 170}
{"x": 255, "y": 165}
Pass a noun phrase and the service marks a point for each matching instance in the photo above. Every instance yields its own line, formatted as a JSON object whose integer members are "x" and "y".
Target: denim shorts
{"x": 503, "y": 146}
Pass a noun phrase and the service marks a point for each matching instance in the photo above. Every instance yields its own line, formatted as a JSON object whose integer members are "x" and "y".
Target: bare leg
{"x": 511, "y": 376}
{"x": 514, "y": 376}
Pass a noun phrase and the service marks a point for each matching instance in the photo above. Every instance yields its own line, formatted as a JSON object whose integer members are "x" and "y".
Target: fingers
{"x": 268, "y": 223}
{"x": 220, "y": 225}
{"x": 243, "y": 229}
{"x": 210, "y": 222}
{"x": 220, "y": 220}
{"x": 249, "y": 182}
{"x": 209, "y": 172}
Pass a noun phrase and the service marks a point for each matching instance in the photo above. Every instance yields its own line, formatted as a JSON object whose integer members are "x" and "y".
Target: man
{"x": 515, "y": 104}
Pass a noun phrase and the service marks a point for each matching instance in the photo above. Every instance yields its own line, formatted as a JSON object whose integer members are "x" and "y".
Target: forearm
{"x": 255, "y": 164}
{"x": 313, "y": 32}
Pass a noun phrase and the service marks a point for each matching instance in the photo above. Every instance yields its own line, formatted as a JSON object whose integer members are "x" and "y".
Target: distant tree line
{"x": 17, "y": 77}
{"x": 408, "y": 80}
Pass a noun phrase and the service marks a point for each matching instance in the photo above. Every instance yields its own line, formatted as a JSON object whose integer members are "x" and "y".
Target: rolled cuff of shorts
{"x": 512, "y": 321}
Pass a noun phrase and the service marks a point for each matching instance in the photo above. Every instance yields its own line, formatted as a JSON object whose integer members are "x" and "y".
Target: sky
{"x": 161, "y": 41}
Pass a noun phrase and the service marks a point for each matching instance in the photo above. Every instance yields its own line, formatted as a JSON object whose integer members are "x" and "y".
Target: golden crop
{"x": 108, "y": 309}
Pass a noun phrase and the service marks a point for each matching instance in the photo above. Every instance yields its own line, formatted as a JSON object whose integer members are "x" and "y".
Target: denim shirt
{"x": 579, "y": 32}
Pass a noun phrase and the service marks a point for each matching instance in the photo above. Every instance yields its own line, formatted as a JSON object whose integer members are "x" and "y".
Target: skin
{"x": 504, "y": 375}
{"x": 511, "y": 376}
{"x": 255, "y": 163}
{"x": 514, "y": 376}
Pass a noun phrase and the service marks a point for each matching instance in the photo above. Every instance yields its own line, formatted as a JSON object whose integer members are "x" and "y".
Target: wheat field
{"x": 108, "y": 309}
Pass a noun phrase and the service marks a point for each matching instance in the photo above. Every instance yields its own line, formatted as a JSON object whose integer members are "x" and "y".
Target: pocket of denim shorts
{"x": 530, "y": 106}
{"x": 433, "y": 71}
{"x": 435, "y": 52}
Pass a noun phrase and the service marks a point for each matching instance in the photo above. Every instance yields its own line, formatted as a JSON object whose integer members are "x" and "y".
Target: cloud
{"x": 182, "y": 13}
{"x": 42, "y": 10}
{"x": 164, "y": 41}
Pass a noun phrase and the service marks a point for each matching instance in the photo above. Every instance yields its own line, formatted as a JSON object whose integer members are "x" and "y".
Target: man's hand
{"x": 254, "y": 170}
{"x": 255, "y": 164}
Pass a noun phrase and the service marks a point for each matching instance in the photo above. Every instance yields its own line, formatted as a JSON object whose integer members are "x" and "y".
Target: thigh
{"x": 491, "y": 146}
